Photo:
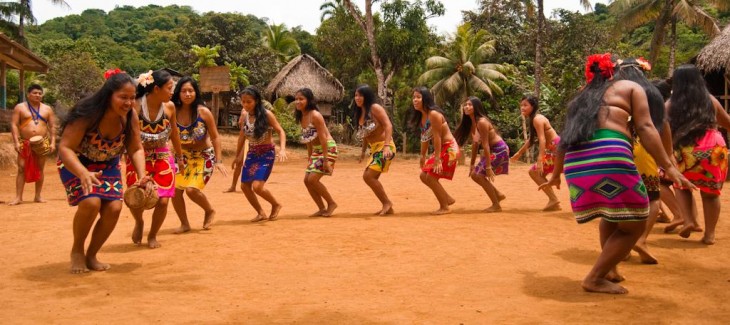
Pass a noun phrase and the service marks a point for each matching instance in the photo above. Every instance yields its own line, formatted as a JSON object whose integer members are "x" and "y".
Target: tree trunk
{"x": 672, "y": 47}
{"x": 660, "y": 30}
{"x": 538, "y": 47}
{"x": 368, "y": 27}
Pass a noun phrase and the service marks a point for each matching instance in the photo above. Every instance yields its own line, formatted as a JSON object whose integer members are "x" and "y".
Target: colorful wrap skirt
{"x": 316, "y": 160}
{"x": 259, "y": 163}
{"x": 31, "y": 170}
{"x": 548, "y": 160}
{"x": 160, "y": 166}
{"x": 705, "y": 163}
{"x": 648, "y": 170}
{"x": 377, "y": 161}
{"x": 449, "y": 153}
{"x": 111, "y": 188}
{"x": 499, "y": 160}
{"x": 603, "y": 180}
{"x": 198, "y": 169}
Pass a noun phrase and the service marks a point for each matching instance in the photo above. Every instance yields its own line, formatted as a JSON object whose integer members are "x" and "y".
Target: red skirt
{"x": 449, "y": 154}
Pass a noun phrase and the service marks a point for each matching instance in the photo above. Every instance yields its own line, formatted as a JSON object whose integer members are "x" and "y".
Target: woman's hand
{"x": 327, "y": 167}
{"x": 553, "y": 181}
{"x": 282, "y": 155}
{"x": 387, "y": 154}
{"x": 437, "y": 168}
{"x": 675, "y": 176}
{"x": 222, "y": 169}
{"x": 89, "y": 180}
{"x": 422, "y": 161}
{"x": 490, "y": 174}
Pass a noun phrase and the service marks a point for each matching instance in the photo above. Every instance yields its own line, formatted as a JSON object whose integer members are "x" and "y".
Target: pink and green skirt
{"x": 603, "y": 180}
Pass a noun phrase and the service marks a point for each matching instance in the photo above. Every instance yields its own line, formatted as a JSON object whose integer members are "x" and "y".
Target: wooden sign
{"x": 215, "y": 79}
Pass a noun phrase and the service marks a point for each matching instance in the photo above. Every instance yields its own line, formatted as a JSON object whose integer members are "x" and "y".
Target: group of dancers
{"x": 619, "y": 121}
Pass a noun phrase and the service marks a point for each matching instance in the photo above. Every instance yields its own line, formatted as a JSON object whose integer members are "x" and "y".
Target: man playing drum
{"x": 32, "y": 121}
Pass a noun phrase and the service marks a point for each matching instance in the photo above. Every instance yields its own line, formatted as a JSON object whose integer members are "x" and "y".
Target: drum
{"x": 137, "y": 197}
{"x": 40, "y": 145}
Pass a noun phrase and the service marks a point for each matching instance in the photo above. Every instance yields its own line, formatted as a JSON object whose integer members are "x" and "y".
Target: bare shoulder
{"x": 204, "y": 111}
{"x": 20, "y": 106}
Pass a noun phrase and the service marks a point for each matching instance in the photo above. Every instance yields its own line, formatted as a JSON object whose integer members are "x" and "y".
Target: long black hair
{"x": 311, "y": 103}
{"x": 94, "y": 106}
{"x": 691, "y": 112}
{"x": 261, "y": 125}
{"x": 630, "y": 69}
{"x": 535, "y": 104}
{"x": 581, "y": 120}
{"x": 664, "y": 88}
{"x": 429, "y": 104}
{"x": 198, "y": 97}
{"x": 463, "y": 131}
{"x": 369, "y": 99}
{"x": 160, "y": 78}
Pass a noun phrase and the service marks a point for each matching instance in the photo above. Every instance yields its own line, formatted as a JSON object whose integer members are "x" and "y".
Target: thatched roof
{"x": 716, "y": 55}
{"x": 305, "y": 71}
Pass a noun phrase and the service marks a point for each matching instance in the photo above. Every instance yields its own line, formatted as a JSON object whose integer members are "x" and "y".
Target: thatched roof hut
{"x": 714, "y": 61}
{"x": 305, "y": 71}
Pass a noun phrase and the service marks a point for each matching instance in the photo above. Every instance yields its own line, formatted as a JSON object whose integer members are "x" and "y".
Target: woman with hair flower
{"x": 93, "y": 136}
{"x": 599, "y": 169}
{"x": 156, "y": 120}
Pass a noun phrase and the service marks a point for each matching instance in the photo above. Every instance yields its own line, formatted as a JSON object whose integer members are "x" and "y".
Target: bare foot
{"x": 94, "y": 264}
{"x": 275, "y": 212}
{"x": 153, "y": 243}
{"x": 330, "y": 209}
{"x": 451, "y": 201}
{"x": 686, "y": 231}
{"x": 493, "y": 208}
{"x": 387, "y": 209}
{"x": 78, "y": 263}
{"x": 137, "y": 233}
{"x": 441, "y": 211}
{"x": 708, "y": 240}
{"x": 552, "y": 206}
{"x": 15, "y": 202}
{"x": 318, "y": 213}
{"x": 673, "y": 225}
{"x": 258, "y": 218}
{"x": 614, "y": 276}
{"x": 208, "y": 219}
{"x": 181, "y": 230}
{"x": 39, "y": 200}
{"x": 230, "y": 190}
{"x": 646, "y": 257}
{"x": 603, "y": 286}
{"x": 501, "y": 197}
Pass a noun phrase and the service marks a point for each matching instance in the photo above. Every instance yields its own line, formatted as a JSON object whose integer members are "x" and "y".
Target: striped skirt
{"x": 603, "y": 180}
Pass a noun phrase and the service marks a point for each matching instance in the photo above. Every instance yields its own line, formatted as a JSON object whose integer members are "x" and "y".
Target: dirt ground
{"x": 517, "y": 266}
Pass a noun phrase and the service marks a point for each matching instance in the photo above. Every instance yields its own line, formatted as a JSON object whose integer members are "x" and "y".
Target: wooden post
{"x": 526, "y": 137}
{"x": 3, "y": 85}
{"x": 21, "y": 91}
{"x": 215, "y": 108}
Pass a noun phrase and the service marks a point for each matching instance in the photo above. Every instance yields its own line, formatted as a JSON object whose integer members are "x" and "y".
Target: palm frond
{"x": 693, "y": 15}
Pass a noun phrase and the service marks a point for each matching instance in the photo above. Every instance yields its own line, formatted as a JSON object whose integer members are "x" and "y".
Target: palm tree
{"x": 463, "y": 70}
{"x": 23, "y": 9}
{"x": 331, "y": 9}
{"x": 205, "y": 55}
{"x": 634, "y": 13}
{"x": 279, "y": 39}
{"x": 239, "y": 76}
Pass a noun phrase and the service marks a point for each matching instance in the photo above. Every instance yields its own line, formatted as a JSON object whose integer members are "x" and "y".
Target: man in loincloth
{"x": 31, "y": 118}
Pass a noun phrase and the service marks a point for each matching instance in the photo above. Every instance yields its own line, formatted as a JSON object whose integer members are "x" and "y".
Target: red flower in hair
{"x": 643, "y": 64}
{"x": 605, "y": 65}
{"x": 109, "y": 73}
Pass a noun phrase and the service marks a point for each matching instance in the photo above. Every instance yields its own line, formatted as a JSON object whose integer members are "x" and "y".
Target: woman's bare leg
{"x": 201, "y": 200}
{"x": 491, "y": 191}
{"x": 309, "y": 182}
{"x": 553, "y": 202}
{"x": 104, "y": 227}
{"x": 372, "y": 179}
{"x": 178, "y": 203}
{"x": 315, "y": 182}
{"x": 247, "y": 189}
{"x": 689, "y": 212}
{"x": 84, "y": 218}
{"x": 438, "y": 190}
{"x": 711, "y": 210}
{"x": 617, "y": 244}
{"x": 640, "y": 246}
{"x": 260, "y": 190}
{"x": 158, "y": 218}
